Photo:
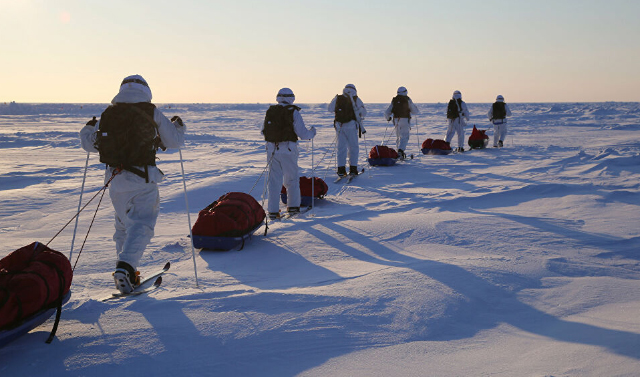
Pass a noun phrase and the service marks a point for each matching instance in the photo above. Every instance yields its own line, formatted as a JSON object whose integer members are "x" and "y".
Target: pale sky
{"x": 243, "y": 51}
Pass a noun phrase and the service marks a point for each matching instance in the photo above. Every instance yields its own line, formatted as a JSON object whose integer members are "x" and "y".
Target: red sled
{"x": 436, "y": 147}
{"x": 478, "y": 139}
{"x": 35, "y": 281}
{"x": 320, "y": 189}
{"x": 381, "y": 155}
{"x": 228, "y": 222}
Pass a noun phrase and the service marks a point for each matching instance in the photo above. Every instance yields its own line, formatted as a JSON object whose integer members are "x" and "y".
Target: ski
{"x": 294, "y": 214}
{"x": 340, "y": 178}
{"x": 136, "y": 292}
{"x": 143, "y": 287}
{"x": 409, "y": 157}
{"x": 352, "y": 176}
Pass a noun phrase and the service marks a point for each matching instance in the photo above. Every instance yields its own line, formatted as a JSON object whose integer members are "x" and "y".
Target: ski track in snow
{"x": 514, "y": 261}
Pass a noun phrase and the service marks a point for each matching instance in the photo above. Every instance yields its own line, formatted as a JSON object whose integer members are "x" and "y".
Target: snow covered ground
{"x": 520, "y": 261}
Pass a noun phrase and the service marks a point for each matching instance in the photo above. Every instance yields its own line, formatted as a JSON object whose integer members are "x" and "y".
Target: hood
{"x": 457, "y": 95}
{"x": 402, "y": 91}
{"x": 134, "y": 89}
{"x": 350, "y": 90}
{"x": 285, "y": 96}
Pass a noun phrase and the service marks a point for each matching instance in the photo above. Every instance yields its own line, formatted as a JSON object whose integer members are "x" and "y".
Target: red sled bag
{"x": 435, "y": 146}
{"x": 478, "y": 139}
{"x": 319, "y": 191}
{"x": 32, "y": 279}
{"x": 228, "y": 222}
{"x": 233, "y": 215}
{"x": 381, "y": 155}
{"x": 382, "y": 151}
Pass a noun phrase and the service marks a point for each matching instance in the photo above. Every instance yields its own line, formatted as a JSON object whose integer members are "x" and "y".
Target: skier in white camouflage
{"x": 498, "y": 114}
{"x": 457, "y": 113}
{"x": 348, "y": 130}
{"x": 283, "y": 126}
{"x": 136, "y": 129}
{"x": 402, "y": 108}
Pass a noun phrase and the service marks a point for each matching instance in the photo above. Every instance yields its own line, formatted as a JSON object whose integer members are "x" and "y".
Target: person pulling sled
{"x": 127, "y": 137}
{"x": 457, "y": 113}
{"x": 498, "y": 114}
{"x": 349, "y": 112}
{"x": 283, "y": 126}
{"x": 402, "y": 108}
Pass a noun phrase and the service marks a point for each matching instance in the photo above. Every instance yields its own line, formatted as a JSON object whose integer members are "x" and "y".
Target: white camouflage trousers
{"x": 456, "y": 126}
{"x": 137, "y": 210}
{"x": 347, "y": 143}
{"x": 403, "y": 131}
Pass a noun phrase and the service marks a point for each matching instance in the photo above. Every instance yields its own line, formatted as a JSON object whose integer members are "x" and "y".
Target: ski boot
{"x": 274, "y": 215}
{"x": 353, "y": 170}
{"x": 126, "y": 277}
{"x": 342, "y": 171}
{"x": 401, "y": 155}
{"x": 500, "y": 143}
{"x": 293, "y": 210}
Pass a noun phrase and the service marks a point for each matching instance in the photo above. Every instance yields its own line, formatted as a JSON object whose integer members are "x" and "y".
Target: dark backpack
{"x": 401, "y": 107}
{"x": 344, "y": 109}
{"x": 453, "y": 110}
{"x": 278, "y": 124}
{"x": 127, "y": 137}
{"x": 499, "y": 110}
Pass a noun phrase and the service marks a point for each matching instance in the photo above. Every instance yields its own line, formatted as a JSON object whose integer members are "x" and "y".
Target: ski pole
{"x": 313, "y": 177}
{"x": 75, "y": 228}
{"x": 418, "y": 137}
{"x": 384, "y": 138}
{"x": 186, "y": 200}
{"x": 366, "y": 150}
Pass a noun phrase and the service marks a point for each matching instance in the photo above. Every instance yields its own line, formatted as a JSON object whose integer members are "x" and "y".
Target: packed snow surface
{"x": 514, "y": 261}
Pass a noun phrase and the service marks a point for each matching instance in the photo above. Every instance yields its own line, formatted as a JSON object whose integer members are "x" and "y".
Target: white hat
{"x": 402, "y": 91}
{"x": 457, "y": 95}
{"x": 285, "y": 95}
{"x": 500, "y": 98}
{"x": 135, "y": 82}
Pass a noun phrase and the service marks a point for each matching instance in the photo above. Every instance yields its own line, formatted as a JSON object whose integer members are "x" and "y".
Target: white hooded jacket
{"x": 172, "y": 135}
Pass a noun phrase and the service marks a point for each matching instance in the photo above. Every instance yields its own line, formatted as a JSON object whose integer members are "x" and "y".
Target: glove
{"x": 92, "y": 122}
{"x": 388, "y": 119}
{"x": 313, "y": 130}
{"x": 176, "y": 119}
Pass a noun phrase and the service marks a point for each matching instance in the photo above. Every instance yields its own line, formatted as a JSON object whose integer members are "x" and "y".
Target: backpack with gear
{"x": 401, "y": 107}
{"x": 344, "y": 109}
{"x": 499, "y": 111}
{"x": 278, "y": 124}
{"x": 127, "y": 137}
{"x": 453, "y": 111}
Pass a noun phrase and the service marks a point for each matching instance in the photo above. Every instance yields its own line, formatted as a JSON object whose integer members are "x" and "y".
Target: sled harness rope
{"x": 102, "y": 190}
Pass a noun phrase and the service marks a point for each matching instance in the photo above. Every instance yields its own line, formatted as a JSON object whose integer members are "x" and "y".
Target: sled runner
{"x": 436, "y": 147}
{"x": 34, "y": 281}
{"x": 319, "y": 191}
{"x": 228, "y": 222}
{"x": 381, "y": 155}
{"x": 478, "y": 139}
